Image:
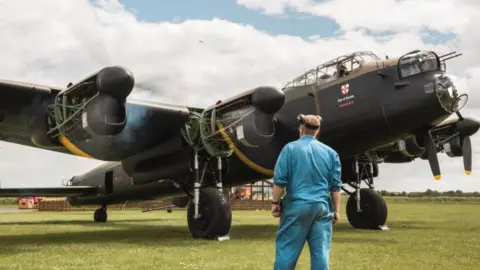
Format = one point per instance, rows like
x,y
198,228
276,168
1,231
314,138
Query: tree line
x,y
430,193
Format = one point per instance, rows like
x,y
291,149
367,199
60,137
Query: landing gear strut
x,y
100,214
209,216
365,208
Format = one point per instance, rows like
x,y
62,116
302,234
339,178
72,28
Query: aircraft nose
x,y
451,98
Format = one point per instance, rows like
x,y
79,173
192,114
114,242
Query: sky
x,y
195,52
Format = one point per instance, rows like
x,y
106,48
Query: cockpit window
x,y
412,64
333,69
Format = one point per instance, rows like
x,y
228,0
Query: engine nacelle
x,y
105,115
97,102
453,148
406,151
246,119
410,147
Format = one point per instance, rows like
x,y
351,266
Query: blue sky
x,y
180,10
290,23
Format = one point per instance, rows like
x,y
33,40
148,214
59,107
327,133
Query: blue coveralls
x,y
308,170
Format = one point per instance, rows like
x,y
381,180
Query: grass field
x,y
424,235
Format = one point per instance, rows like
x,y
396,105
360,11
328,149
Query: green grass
x,y
423,236
8,201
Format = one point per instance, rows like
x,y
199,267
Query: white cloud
x,y
58,42
379,15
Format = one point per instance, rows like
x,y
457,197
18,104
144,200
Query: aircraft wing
x,y
91,118
21,106
7,85
70,191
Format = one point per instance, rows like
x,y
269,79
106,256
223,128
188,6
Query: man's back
x,y
309,171
313,168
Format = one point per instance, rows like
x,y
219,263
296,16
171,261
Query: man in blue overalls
x,y
310,171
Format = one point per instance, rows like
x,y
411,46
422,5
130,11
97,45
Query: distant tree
x,y
383,192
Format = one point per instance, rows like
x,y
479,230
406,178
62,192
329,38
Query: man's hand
x,y
336,216
276,210
336,205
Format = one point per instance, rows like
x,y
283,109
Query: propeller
x,y
467,155
466,149
431,150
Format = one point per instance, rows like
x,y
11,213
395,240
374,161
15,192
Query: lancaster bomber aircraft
x,y
373,110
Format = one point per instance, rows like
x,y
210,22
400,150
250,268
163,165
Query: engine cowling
x,y
406,150
410,147
246,119
453,148
105,115
97,102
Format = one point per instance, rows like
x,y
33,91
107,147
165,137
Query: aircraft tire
x,y
216,215
374,210
100,215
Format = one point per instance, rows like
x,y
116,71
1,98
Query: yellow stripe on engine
x,y
241,156
72,148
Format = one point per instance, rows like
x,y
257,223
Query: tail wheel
x,y
215,215
373,210
100,215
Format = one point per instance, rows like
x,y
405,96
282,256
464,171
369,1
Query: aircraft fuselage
x,y
375,109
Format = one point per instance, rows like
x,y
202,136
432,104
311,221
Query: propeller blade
x,y
467,155
432,156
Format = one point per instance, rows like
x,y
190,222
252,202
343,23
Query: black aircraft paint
x,y
391,110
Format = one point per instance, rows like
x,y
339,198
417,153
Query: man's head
x,y
309,124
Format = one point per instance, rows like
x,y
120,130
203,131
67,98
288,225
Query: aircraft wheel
x,y
100,215
215,215
373,210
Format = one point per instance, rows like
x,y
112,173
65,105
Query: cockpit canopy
x,y
417,62
333,69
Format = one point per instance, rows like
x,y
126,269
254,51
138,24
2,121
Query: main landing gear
x,y
365,208
100,215
209,215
